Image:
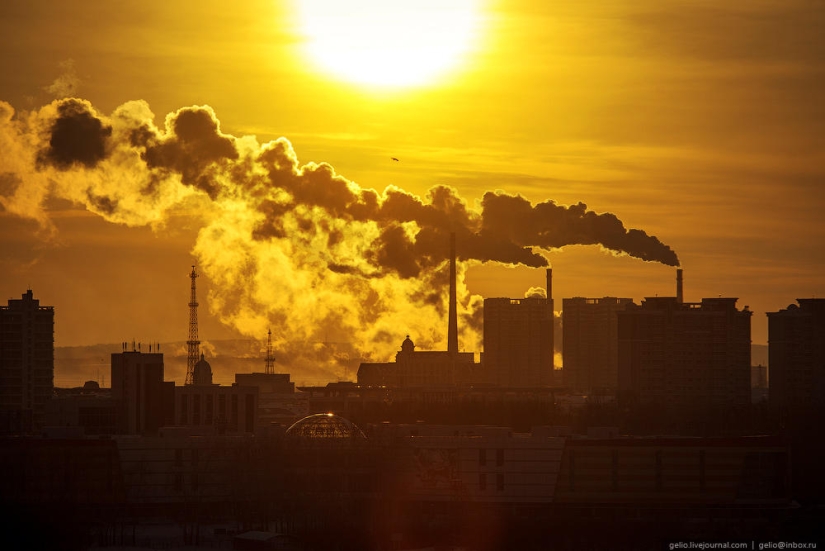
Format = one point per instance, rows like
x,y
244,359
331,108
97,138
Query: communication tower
x,y
270,359
193,344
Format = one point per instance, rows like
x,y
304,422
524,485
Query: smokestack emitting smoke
x,y
452,331
296,247
679,295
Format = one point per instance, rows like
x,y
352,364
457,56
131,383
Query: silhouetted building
x,y
518,340
202,372
278,403
796,354
419,369
217,409
89,409
455,463
26,364
687,471
276,383
146,401
685,354
70,473
591,341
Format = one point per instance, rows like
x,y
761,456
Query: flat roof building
x,y
145,400
591,341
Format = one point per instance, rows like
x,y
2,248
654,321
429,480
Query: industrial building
x,y
26,364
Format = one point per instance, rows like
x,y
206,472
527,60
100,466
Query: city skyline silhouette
x,y
371,192
733,192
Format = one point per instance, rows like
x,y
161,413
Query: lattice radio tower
x,y
193,344
270,359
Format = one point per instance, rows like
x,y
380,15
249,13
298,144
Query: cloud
x,y
67,84
298,248
77,136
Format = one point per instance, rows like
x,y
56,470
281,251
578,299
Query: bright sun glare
x,y
388,43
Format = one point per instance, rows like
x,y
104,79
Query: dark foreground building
x,y
328,484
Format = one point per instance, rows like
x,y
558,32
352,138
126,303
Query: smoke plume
x,y
296,247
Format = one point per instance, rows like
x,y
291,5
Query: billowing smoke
x,y
294,247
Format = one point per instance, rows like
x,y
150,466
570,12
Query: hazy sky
x,y
700,124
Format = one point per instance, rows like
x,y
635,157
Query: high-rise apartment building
x,y
145,400
518,340
796,354
591,341
685,354
26,364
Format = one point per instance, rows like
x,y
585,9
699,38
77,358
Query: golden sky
x,y
699,123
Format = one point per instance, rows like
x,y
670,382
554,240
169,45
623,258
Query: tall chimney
x,y
679,296
452,330
549,283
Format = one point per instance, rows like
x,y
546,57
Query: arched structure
x,y
324,427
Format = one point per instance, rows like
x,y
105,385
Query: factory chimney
x,y
452,330
679,295
549,284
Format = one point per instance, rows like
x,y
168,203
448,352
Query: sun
x,y
389,43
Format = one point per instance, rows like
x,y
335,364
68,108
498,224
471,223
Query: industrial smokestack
x,y
549,283
679,296
452,330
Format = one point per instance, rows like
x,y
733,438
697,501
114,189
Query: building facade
x,y
26,364
591,342
685,354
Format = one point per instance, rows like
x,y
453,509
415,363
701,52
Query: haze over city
x,y
611,142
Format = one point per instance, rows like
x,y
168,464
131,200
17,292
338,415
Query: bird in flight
x,y
394,159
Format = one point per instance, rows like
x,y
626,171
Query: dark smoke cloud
x,y
412,233
194,148
549,226
298,247
395,251
78,137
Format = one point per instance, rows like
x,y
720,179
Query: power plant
x,y
421,447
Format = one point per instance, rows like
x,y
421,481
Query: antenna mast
x,y
193,344
270,360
